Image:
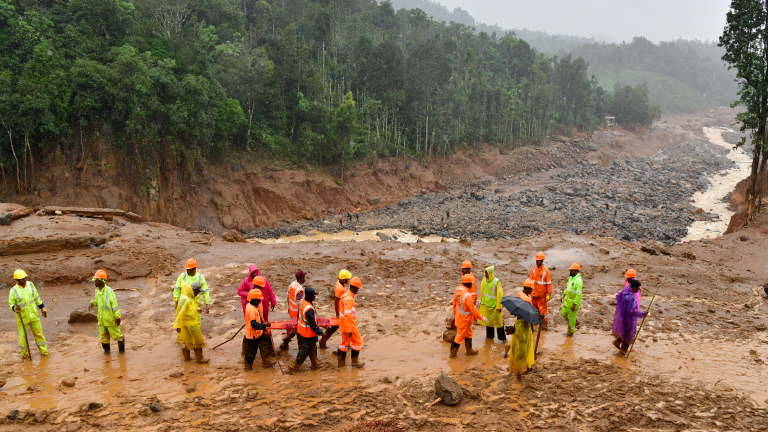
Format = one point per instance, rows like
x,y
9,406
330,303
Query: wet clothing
x,y
338,291
521,356
204,292
261,344
521,294
464,313
187,320
108,313
29,301
246,286
572,301
255,324
350,335
639,293
627,313
542,279
295,296
473,290
490,300
307,323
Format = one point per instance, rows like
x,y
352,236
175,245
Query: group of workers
x,y
191,294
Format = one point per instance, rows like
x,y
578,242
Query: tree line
x,y
178,83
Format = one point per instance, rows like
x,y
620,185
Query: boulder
x,y
604,251
237,236
449,335
383,237
448,390
41,416
155,406
82,316
68,382
92,406
13,415
593,147
374,201
649,250
6,220
227,236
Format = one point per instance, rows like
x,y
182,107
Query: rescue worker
x,y
307,332
466,269
295,296
246,286
256,338
490,305
543,291
108,313
465,313
339,290
350,335
521,356
572,298
628,278
190,276
22,299
187,323
525,293
625,319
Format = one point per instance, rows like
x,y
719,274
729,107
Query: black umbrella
x,y
521,309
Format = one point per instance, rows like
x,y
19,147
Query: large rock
x,y
237,236
6,220
448,390
373,201
383,237
449,335
82,316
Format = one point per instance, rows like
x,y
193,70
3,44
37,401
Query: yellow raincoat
x,y
490,300
186,320
521,349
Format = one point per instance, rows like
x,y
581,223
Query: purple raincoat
x,y
247,285
627,313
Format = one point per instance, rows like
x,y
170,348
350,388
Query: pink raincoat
x,y
247,285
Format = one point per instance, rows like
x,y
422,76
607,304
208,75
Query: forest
x,y
182,83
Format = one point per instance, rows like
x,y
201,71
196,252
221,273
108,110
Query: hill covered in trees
x,y
682,76
178,83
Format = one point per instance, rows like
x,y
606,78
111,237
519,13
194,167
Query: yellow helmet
x,y
19,274
345,274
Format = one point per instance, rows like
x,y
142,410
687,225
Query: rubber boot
x,y
313,360
356,363
106,348
293,368
468,345
324,338
267,355
248,367
342,358
242,350
199,356
187,356
454,349
544,324
121,346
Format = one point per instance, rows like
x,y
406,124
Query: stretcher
x,y
293,323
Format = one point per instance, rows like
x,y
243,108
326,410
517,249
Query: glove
x,y
269,324
573,307
17,308
548,297
117,321
272,309
178,330
485,319
45,313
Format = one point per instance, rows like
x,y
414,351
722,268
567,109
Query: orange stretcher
x,y
293,323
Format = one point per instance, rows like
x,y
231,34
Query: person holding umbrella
x,y
522,354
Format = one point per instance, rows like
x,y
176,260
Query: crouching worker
x,y
187,323
307,332
465,313
255,337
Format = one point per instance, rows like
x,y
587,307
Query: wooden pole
x,y
233,336
26,339
538,335
643,321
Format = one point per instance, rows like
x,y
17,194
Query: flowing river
x,y
722,183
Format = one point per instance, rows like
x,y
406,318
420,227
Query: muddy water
x,y
350,236
722,183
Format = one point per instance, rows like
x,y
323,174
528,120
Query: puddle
x,y
722,183
560,258
353,236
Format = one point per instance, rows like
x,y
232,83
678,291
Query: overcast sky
x,y
611,20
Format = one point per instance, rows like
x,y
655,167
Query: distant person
x,y
108,313
341,221
464,314
357,217
23,298
625,319
190,276
572,298
541,276
490,305
521,355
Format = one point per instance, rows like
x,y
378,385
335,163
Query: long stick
x,y
26,340
233,336
538,335
643,321
276,356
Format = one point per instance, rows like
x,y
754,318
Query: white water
x,y
722,183
347,236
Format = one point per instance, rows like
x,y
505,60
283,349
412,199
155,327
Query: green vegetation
x,y
631,106
172,84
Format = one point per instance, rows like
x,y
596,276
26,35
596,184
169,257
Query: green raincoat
x,y
490,300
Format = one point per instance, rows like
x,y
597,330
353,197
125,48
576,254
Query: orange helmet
x,y
259,281
255,294
540,256
575,266
100,274
191,263
467,278
528,284
466,265
631,273
356,282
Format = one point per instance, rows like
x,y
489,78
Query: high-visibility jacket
x,y
189,280
543,281
347,313
295,295
303,325
464,310
338,291
572,294
473,289
490,292
521,294
28,299
253,313
106,302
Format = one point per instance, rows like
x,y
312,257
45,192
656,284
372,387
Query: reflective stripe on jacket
x,y
543,281
572,293
28,299
347,312
294,298
106,303
303,325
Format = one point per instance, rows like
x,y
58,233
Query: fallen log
x,y
28,245
21,212
84,211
